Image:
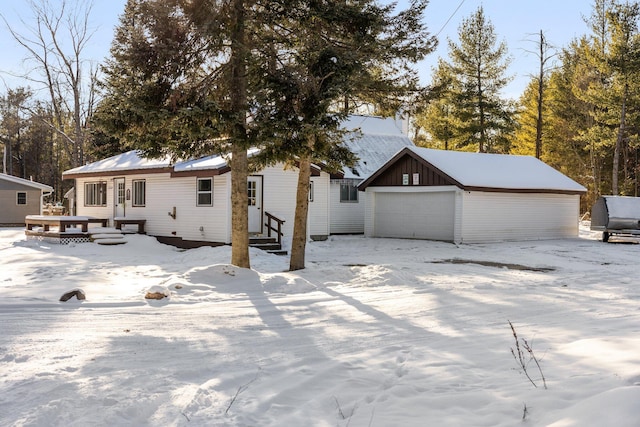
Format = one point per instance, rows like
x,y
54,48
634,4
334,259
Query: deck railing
x,y
277,228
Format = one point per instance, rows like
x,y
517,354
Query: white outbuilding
x,y
464,197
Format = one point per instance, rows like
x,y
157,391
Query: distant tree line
x,y
581,115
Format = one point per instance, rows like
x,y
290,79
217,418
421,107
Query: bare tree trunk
x,y
619,141
299,239
540,98
239,161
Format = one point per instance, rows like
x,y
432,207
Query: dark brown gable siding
x,y
392,176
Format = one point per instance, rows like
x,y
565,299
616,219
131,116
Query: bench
x,y
62,222
120,221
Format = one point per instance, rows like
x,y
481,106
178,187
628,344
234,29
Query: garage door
x,y
415,215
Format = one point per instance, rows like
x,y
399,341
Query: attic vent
x,y
355,171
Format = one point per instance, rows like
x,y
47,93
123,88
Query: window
x,y
139,192
252,193
348,193
205,192
311,191
21,198
95,194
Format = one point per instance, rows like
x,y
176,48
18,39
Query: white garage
x,y
465,197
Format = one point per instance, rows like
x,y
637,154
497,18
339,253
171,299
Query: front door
x,y
118,197
254,192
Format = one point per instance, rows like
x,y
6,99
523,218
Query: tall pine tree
x,y
177,84
478,66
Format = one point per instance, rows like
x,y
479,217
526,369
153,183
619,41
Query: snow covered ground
x,y
375,332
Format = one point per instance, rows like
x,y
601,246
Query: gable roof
x,y
28,183
374,140
489,172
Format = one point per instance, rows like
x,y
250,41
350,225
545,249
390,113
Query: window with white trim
x,y
205,192
139,192
21,198
348,193
95,194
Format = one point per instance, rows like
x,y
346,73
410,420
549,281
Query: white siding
x,y
96,211
319,207
346,217
369,212
490,217
279,189
162,194
210,223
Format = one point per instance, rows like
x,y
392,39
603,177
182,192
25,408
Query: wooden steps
x,y
267,244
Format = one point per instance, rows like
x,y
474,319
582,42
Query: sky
x,y
517,22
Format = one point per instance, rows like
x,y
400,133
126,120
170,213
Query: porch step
x,y
105,236
258,240
267,244
278,252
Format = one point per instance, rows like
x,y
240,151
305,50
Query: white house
x,y
374,140
466,197
189,203
20,197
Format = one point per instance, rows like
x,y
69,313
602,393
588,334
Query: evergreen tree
x,y
438,121
177,84
478,65
315,56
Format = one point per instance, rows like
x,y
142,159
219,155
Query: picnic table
x,y
62,222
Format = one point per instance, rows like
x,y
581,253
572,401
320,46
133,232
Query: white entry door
x,y
254,192
118,197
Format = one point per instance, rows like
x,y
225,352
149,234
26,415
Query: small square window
x,y
348,193
21,198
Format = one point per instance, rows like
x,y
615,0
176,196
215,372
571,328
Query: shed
x,y
20,197
464,197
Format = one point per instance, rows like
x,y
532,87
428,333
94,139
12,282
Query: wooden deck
x,y
62,222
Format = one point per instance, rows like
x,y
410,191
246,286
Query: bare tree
x,y
544,53
55,38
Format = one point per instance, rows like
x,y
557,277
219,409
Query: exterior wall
x,y
163,193
10,211
319,212
209,223
346,217
491,217
279,199
476,217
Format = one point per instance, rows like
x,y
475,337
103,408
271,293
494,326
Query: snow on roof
x,y
498,170
623,206
22,181
209,162
131,160
374,141
374,125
